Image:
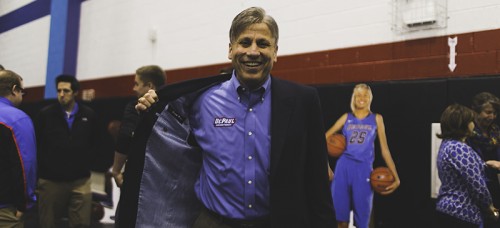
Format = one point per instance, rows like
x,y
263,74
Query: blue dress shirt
x,y
70,117
24,136
232,126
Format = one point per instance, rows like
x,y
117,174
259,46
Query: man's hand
x,y
330,174
19,214
146,101
118,177
493,164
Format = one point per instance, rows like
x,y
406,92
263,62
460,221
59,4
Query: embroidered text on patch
x,y
224,122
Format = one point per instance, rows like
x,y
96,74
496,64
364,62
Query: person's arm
x,y
123,141
337,126
386,154
119,162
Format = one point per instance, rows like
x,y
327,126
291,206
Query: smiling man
x,y
254,145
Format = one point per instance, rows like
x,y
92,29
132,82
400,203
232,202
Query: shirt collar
x,y
75,110
6,101
237,85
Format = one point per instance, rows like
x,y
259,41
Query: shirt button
x,y
249,205
249,157
250,109
249,182
250,133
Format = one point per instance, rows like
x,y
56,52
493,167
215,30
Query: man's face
x,y
253,54
140,88
65,95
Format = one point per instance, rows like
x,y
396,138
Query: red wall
x,y
477,55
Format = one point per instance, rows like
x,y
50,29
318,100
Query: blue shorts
x,y
351,190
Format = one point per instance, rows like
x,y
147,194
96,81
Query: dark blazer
x,y
66,154
299,188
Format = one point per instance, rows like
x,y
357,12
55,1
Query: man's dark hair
x,y
1,67
152,74
455,122
75,85
7,80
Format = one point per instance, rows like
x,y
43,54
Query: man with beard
x,y
69,137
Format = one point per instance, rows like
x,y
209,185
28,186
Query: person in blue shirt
x,y
70,137
351,189
249,146
18,164
464,199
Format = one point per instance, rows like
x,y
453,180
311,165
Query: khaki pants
x,y
8,218
56,199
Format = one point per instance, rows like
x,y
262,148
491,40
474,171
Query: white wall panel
x,y
24,50
115,35
7,6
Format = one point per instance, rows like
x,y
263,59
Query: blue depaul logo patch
x,y
224,122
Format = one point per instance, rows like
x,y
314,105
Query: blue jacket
x,y
66,154
18,166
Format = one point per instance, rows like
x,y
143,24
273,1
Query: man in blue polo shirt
x,y
17,153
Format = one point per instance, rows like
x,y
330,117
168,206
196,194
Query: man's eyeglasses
x,y
22,90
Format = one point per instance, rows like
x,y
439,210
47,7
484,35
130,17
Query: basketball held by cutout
x,y
380,178
336,145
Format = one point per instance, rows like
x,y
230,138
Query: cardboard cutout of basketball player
x,y
352,172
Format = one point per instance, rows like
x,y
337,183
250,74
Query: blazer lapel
x,y
282,106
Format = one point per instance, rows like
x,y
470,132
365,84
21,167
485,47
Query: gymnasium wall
x,y
116,37
426,58
329,44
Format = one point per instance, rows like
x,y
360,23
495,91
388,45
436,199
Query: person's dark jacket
x,y
67,154
127,128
